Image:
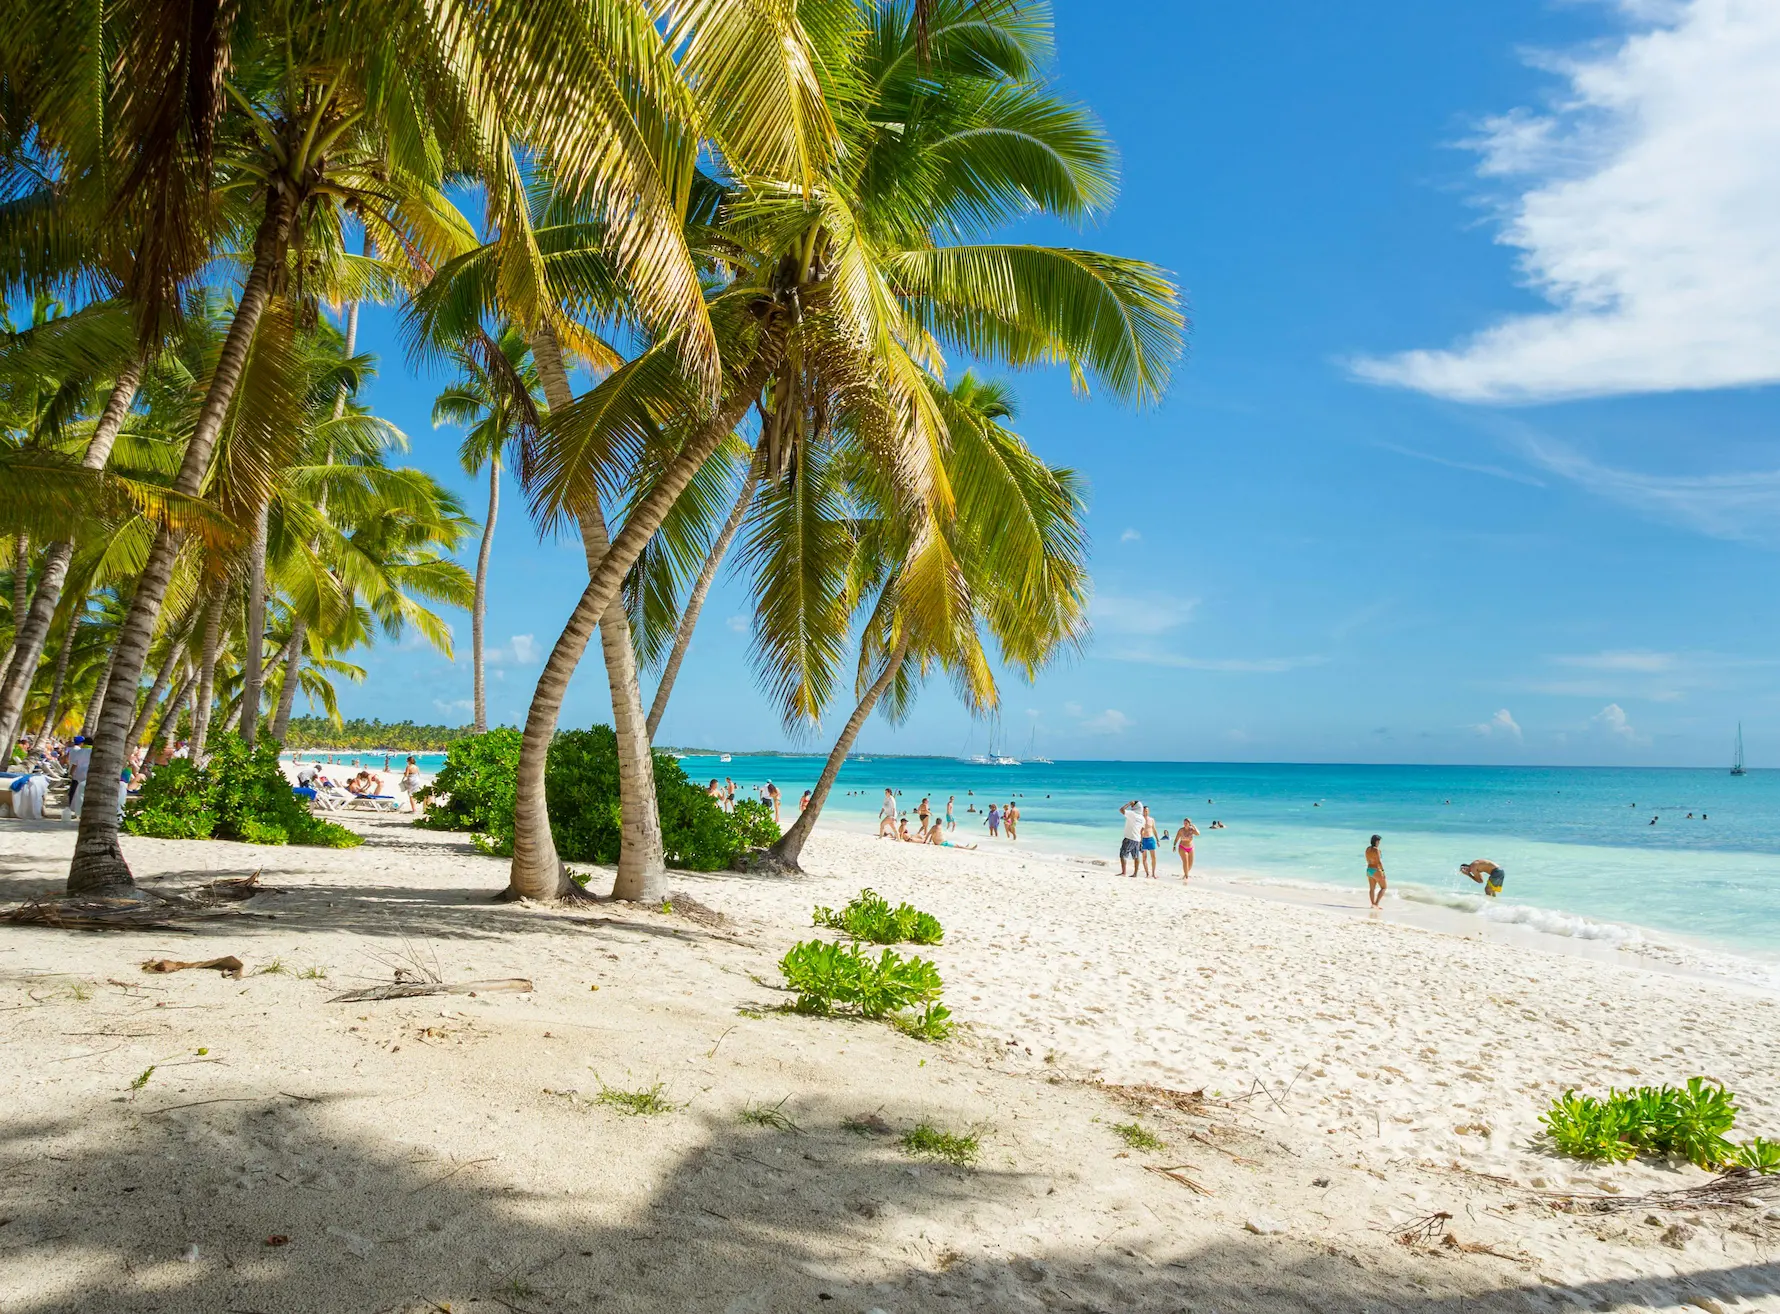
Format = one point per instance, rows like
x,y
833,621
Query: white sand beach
x,y
444,1153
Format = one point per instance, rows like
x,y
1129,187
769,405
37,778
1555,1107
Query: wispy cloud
x,y
454,705
1642,204
1230,665
1640,660
1741,507
1130,536
1612,720
1117,614
1493,471
1502,725
738,624
1110,722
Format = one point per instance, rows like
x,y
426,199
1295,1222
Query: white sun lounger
x,y
375,802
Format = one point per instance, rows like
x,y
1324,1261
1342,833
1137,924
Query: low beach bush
x,y
236,795
476,789
1691,1122
870,917
831,978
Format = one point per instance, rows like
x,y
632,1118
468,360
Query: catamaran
x,y
1737,761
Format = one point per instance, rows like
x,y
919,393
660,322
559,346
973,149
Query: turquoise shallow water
x,y
1582,858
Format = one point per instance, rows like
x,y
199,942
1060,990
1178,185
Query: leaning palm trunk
x,y
642,868
175,705
790,845
98,857
89,724
206,677
254,648
293,672
233,717
21,592
61,678
480,608
536,872
162,679
33,634
695,603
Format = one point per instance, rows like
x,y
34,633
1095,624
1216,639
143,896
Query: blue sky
x,y
1472,457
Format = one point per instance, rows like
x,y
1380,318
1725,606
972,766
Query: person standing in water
x,y
951,821
994,821
1183,845
1010,817
1375,883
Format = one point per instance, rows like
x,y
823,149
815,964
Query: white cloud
x,y
1130,536
738,624
1612,719
1638,660
1110,722
1227,665
1645,217
450,706
520,650
1114,614
1502,723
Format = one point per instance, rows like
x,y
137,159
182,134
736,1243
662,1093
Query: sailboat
x,y
1737,761
1032,751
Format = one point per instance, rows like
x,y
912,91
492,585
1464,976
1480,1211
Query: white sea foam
x,y
1548,920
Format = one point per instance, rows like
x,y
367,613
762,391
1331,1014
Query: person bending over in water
x,y
1374,872
1486,874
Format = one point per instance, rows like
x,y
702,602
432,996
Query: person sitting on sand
x,y
1183,845
1010,818
1375,872
1486,874
1132,845
936,835
887,815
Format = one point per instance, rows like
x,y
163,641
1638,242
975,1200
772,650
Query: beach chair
x,y
374,803
329,798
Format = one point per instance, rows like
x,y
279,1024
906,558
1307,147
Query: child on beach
x,y
1374,872
1183,845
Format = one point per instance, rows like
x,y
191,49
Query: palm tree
x,y
841,291
1020,549
485,406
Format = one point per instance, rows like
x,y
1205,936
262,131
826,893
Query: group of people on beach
x,y
1144,839
936,829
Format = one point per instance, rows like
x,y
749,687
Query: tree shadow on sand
x,y
103,1210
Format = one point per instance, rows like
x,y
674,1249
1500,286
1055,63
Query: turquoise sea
x,y
1582,856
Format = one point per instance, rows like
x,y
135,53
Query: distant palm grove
x,y
338,734
714,283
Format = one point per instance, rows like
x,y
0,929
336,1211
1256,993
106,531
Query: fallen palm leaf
x,y
1175,1174
412,989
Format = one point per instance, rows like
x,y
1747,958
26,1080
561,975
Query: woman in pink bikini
x,y
1183,845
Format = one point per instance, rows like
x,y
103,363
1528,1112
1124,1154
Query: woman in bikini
x,y
1183,845
1374,872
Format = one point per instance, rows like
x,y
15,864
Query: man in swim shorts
x,y
1131,847
1486,874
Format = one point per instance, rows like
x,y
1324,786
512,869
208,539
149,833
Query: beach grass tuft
x,y
768,1115
646,1102
930,1142
1139,1137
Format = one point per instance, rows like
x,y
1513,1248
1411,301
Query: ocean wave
x,y
1547,920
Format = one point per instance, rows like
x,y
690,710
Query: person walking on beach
x,y
925,812
1375,872
410,783
1147,844
1183,845
994,821
1486,874
772,798
1132,845
1010,817
887,815
951,821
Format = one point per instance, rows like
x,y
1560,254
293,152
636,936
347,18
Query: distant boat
x,y
1032,751
724,758
1737,761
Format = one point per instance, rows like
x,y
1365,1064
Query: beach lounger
x,y
375,802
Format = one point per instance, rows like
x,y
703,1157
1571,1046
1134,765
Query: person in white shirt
x,y
887,816
1131,847
80,757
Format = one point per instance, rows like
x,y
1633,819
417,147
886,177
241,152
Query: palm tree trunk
x,y
232,717
253,649
162,678
293,670
642,867
696,600
61,678
536,872
29,640
175,705
21,593
98,858
89,724
206,677
790,845
480,608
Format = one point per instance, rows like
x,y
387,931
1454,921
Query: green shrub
x,y
1760,1154
237,795
830,977
869,916
933,1022
474,789
581,791
1691,1122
